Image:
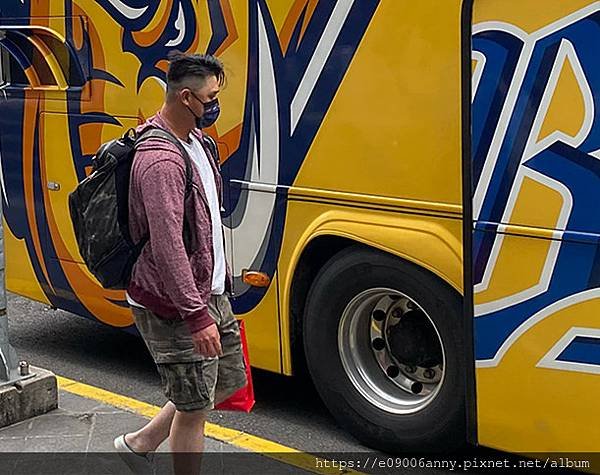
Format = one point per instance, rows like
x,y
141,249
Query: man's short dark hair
x,y
186,69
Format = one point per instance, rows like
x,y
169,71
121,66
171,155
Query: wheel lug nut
x,y
378,344
379,315
411,305
410,369
392,371
429,373
397,313
416,388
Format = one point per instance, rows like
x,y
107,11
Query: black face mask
x,y
212,109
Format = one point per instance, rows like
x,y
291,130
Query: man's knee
x,y
196,416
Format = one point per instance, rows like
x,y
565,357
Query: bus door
x,y
66,116
535,249
40,69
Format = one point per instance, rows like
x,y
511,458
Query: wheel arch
x,y
398,236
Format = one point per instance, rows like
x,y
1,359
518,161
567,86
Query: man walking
x,y
178,285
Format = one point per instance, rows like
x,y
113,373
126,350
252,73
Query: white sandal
x,y
138,463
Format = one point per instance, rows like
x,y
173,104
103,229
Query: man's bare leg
x,y
187,441
149,437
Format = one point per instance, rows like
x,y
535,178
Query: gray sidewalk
x,y
78,438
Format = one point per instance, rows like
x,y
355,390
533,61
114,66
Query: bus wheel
x,y
382,339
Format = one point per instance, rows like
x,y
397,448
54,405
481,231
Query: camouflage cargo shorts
x,y
192,381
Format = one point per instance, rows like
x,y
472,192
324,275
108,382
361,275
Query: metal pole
x,y
10,368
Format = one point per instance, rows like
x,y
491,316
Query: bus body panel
x,y
536,267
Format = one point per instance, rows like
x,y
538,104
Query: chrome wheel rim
x,y
391,350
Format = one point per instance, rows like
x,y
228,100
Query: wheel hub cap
x,y
391,350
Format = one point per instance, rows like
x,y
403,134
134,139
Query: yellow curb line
x,y
253,443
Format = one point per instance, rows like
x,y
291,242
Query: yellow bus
x,y
415,178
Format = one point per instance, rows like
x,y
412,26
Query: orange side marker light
x,y
255,279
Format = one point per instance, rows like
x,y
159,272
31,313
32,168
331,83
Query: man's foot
x,y
138,463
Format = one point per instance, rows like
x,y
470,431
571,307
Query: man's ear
x,y
184,96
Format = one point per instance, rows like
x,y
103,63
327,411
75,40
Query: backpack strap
x,y
156,132
210,143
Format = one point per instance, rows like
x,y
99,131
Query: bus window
x,y
36,58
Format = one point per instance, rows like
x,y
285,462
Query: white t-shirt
x,y
200,159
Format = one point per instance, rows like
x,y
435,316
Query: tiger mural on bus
x,y
120,50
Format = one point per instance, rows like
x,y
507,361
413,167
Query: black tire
x,y
438,426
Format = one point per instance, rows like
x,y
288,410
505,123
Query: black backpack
x,y
100,212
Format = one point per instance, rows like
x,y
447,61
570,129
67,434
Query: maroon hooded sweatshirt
x,y
173,275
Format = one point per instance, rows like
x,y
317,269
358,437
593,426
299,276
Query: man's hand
x,y
208,341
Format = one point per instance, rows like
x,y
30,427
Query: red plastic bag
x,y
243,399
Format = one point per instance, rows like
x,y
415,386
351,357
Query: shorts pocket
x,y
187,385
